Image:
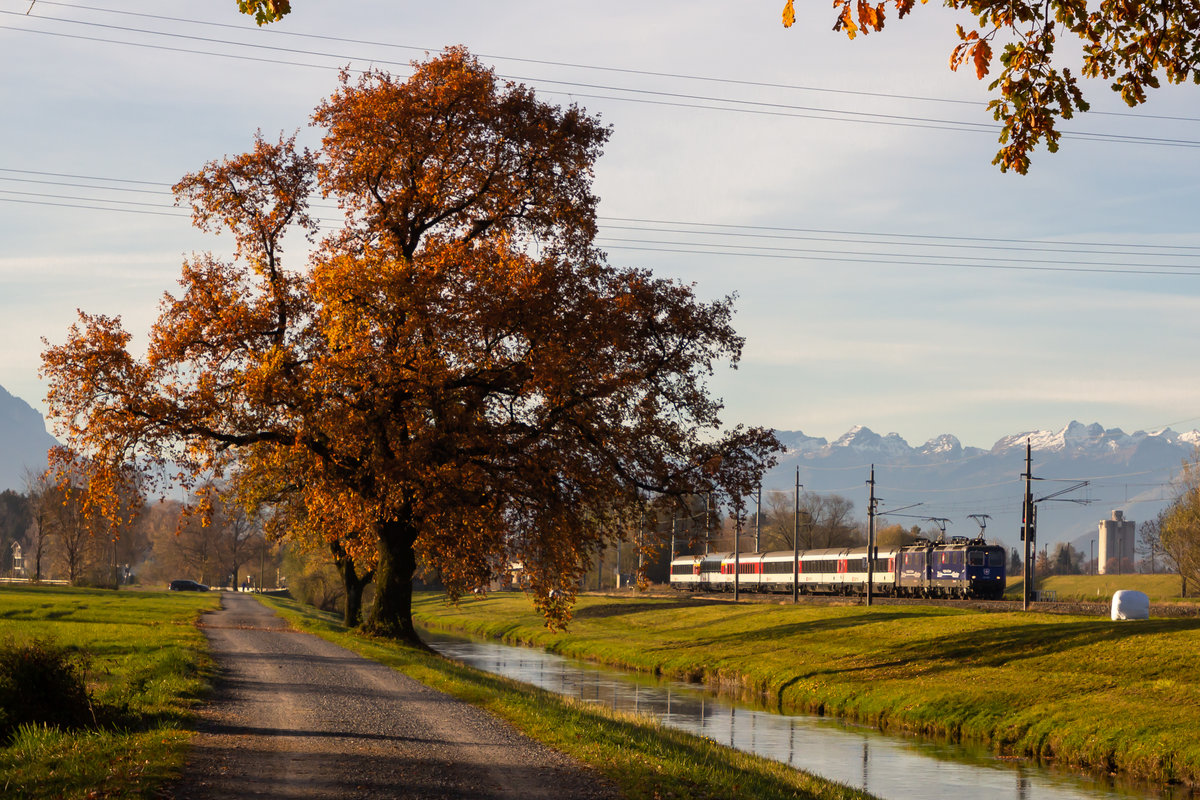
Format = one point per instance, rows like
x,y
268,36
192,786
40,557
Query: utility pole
x,y
758,521
737,554
1028,528
871,539
796,543
707,521
673,515
262,564
618,570
640,552
1029,522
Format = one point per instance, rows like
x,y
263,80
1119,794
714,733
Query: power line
x,y
1018,260
592,67
895,235
880,261
769,231
768,251
889,240
913,261
735,105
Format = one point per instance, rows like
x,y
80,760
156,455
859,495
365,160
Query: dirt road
x,y
297,717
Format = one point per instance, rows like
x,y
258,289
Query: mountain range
x,y
940,479
23,441
1131,472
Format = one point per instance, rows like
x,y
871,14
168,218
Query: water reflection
x,y
890,767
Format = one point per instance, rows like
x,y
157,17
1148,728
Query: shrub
x,y
41,683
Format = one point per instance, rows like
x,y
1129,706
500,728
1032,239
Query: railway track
x,y
1070,607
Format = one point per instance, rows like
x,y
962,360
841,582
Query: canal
x,y
891,767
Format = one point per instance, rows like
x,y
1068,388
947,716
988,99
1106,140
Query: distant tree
x,y
827,520
313,578
39,534
73,532
895,535
1066,560
1149,543
1043,564
1135,44
824,521
458,378
1015,563
236,533
779,525
1179,531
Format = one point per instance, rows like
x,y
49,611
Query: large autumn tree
x,y
456,377
1132,44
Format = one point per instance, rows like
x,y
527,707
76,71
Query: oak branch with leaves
x,y
455,380
1130,43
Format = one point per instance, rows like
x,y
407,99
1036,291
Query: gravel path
x,y
297,717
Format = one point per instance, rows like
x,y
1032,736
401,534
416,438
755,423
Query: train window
x,y
996,559
975,558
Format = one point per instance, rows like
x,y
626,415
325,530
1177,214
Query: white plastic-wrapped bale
x,y
1130,604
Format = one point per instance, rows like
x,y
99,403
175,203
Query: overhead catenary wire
x,y
573,87
275,32
769,231
905,260
735,232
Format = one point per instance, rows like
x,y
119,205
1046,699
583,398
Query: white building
x,y
1116,544
18,561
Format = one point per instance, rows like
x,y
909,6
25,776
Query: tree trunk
x,y
391,616
354,591
352,584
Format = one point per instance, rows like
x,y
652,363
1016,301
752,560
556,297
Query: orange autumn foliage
x,y
1132,44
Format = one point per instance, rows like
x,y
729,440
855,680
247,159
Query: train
x,y
960,568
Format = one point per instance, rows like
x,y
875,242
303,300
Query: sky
x,y
886,273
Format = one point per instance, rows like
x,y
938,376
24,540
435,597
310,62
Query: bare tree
x,y
1179,531
70,527
1149,543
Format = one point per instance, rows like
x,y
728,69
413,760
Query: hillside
x,y
23,441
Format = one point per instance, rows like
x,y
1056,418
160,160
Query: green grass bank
x,y
1100,588
145,667
645,760
1087,692
1159,588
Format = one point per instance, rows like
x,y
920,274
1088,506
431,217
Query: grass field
x,y
1100,588
645,760
1084,691
145,668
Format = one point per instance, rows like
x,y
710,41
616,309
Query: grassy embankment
x,y
145,667
1084,691
1100,588
645,760
1161,589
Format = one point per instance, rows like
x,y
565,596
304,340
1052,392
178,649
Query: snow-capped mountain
x,y
1127,471
1094,440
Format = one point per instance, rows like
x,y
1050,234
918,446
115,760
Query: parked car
x,y
187,586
